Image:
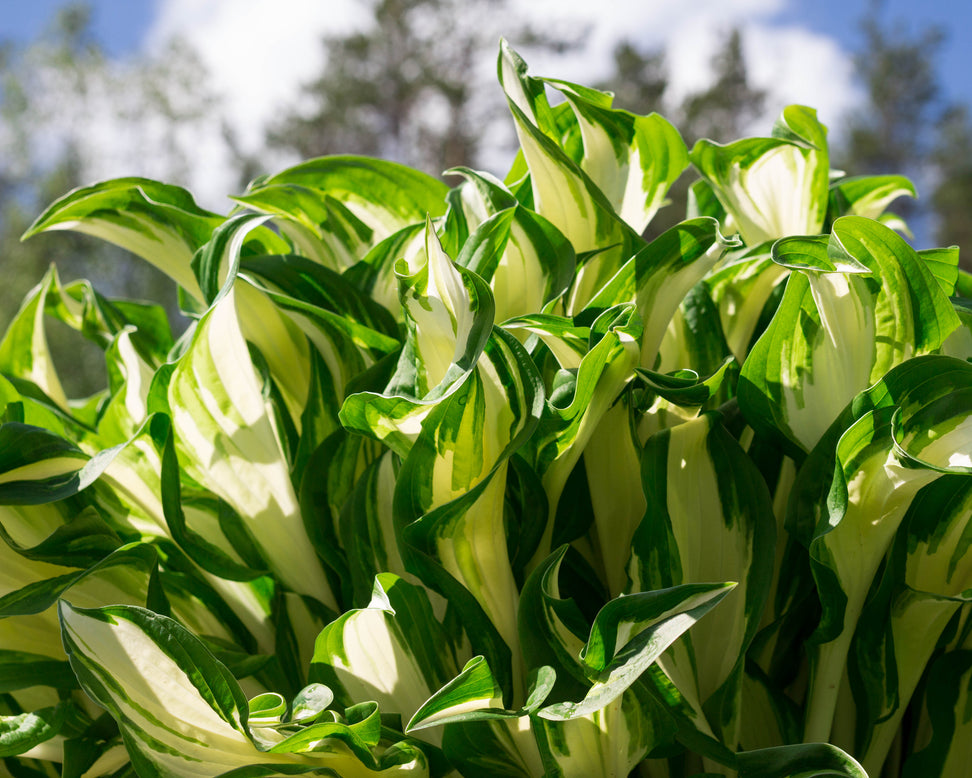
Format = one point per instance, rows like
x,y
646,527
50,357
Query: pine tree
x,y
639,79
906,126
402,89
951,198
892,132
724,111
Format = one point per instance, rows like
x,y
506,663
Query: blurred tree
x,y
403,88
951,197
906,126
639,79
725,111
67,114
892,131
722,112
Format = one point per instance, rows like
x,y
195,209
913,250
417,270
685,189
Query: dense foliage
x,y
476,481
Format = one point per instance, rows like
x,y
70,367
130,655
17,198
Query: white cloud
x,y
688,31
793,64
258,58
797,66
257,55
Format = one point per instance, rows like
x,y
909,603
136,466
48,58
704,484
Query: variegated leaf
x,y
771,187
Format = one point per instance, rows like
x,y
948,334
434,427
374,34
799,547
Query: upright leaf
x,y
393,651
771,187
883,461
228,441
709,517
562,191
861,302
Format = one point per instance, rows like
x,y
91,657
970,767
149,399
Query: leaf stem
x,y
828,670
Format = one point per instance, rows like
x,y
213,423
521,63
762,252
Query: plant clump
x,y
476,481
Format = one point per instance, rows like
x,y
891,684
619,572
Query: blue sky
x,y
120,25
840,20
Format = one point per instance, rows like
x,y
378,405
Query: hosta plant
x,y
470,479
